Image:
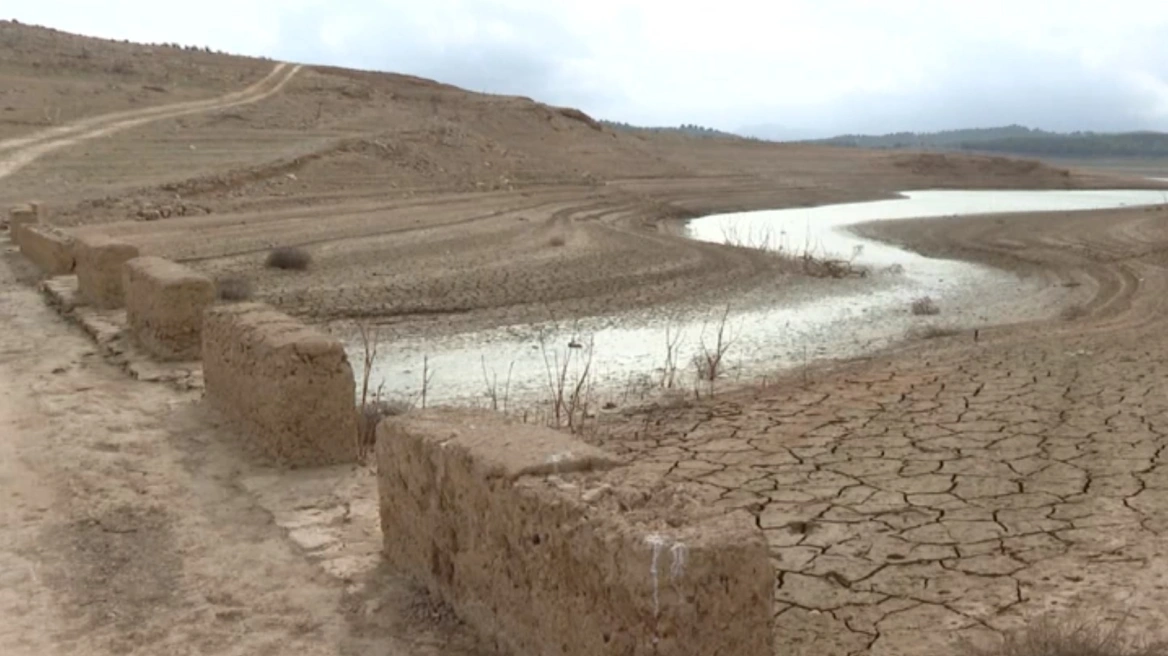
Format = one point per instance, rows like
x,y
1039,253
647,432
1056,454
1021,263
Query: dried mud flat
x,y
960,488
951,488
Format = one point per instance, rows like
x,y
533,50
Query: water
x,y
627,356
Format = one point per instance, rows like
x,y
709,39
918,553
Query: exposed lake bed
x,y
788,323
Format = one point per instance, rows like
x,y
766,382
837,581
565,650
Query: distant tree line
x,y
687,128
1017,140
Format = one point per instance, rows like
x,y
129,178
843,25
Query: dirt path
x,y
30,148
960,487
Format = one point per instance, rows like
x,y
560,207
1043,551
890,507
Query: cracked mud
x,y
957,490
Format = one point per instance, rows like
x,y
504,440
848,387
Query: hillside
x,y
434,206
1016,140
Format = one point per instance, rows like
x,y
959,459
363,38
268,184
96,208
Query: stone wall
x,y
548,546
18,216
165,302
287,386
47,247
99,262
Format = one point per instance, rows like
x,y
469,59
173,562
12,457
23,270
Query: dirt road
x,y
22,151
958,484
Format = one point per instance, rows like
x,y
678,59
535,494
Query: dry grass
x,y
234,288
934,332
710,363
374,406
289,258
804,259
1047,637
1073,312
372,412
569,380
557,241
925,307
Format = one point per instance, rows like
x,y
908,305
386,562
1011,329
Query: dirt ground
x,y
966,482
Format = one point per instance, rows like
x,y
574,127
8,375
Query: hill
x,y
421,204
1016,140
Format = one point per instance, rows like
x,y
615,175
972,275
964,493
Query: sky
x,y
786,68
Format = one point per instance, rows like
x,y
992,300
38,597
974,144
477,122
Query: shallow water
x,y
625,356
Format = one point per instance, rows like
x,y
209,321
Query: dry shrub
x,y
925,307
557,241
935,332
234,288
1047,637
371,415
289,258
1072,312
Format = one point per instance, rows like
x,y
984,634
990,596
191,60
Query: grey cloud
x,y
535,63
993,85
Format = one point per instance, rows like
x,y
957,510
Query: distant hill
x,y
1016,140
687,129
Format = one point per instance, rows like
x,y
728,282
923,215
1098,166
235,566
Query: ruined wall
x,y
165,302
47,247
18,216
99,262
547,546
287,386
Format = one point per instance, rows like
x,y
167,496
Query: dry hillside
x,y
417,199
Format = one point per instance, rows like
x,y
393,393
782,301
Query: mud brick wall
x,y
165,302
99,262
287,386
47,247
18,216
548,546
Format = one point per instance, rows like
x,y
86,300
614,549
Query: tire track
x,y
22,151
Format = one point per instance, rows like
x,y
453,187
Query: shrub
x,y
925,307
289,258
372,414
234,288
557,241
935,332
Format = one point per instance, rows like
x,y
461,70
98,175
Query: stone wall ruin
x,y
49,248
99,262
286,385
165,302
549,546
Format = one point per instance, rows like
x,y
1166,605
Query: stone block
x,y
286,385
165,302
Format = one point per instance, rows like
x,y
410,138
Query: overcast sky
x,y
820,66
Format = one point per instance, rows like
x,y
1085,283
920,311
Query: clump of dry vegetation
x,y
557,241
234,288
935,332
374,405
804,260
289,258
925,307
1048,637
1073,312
